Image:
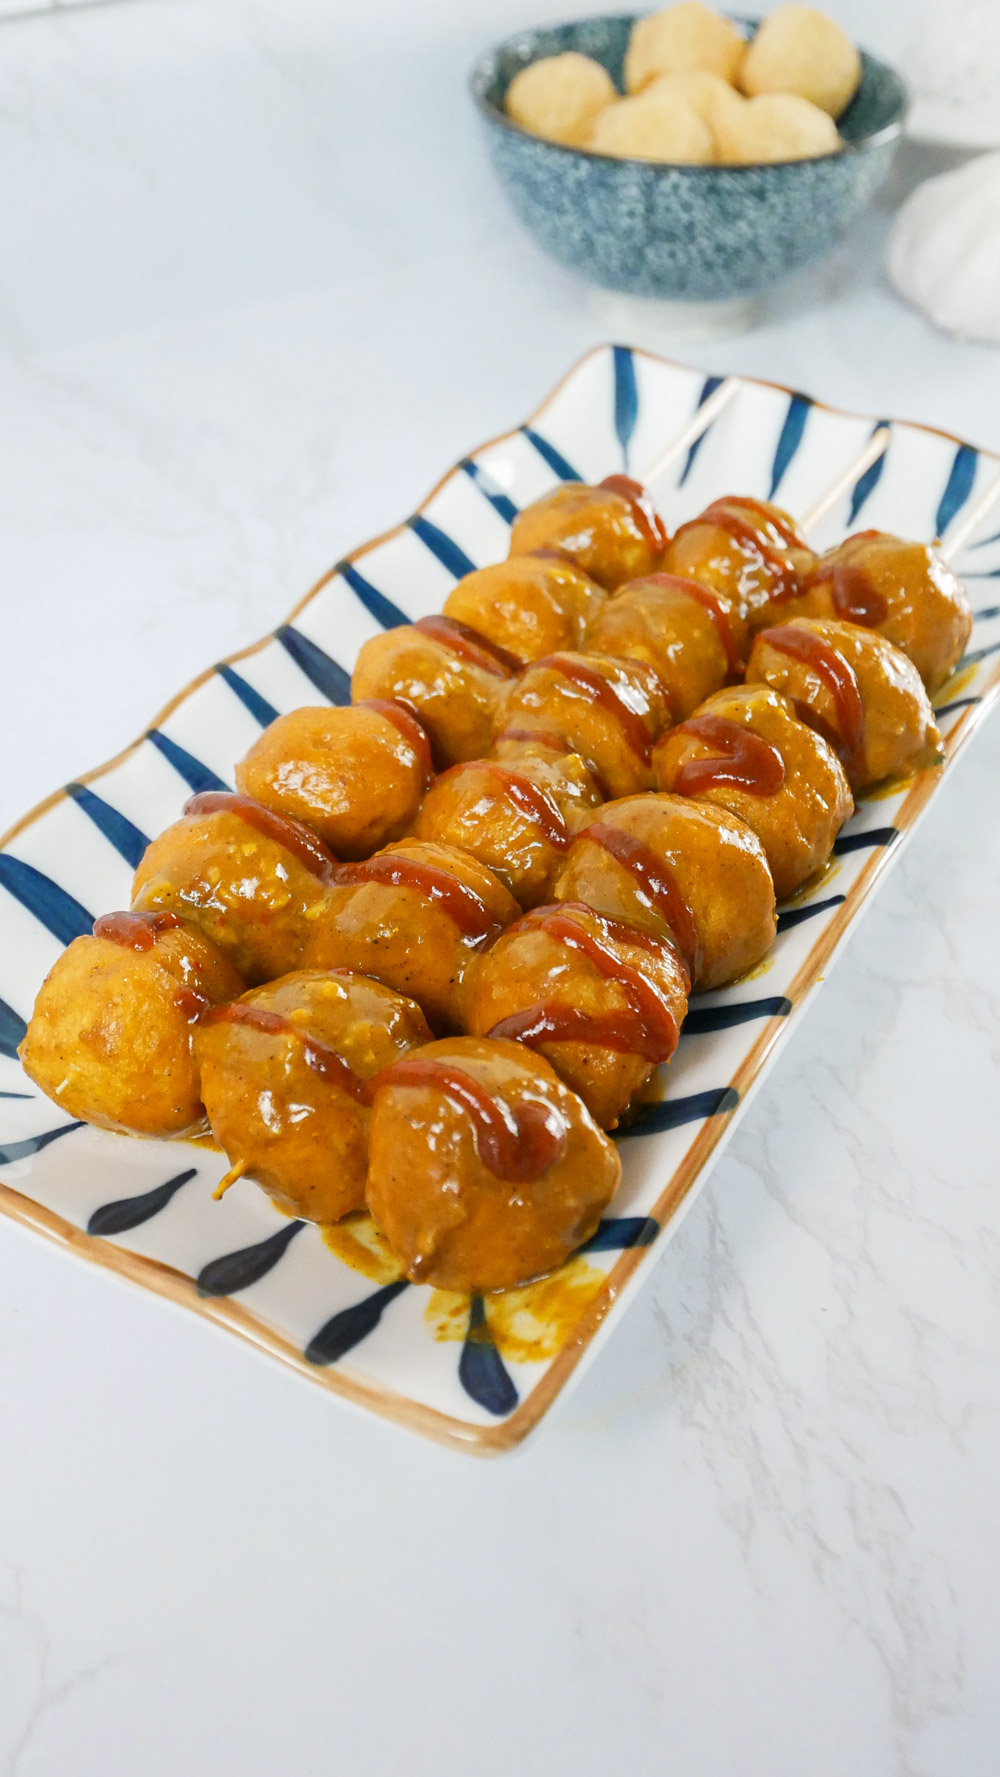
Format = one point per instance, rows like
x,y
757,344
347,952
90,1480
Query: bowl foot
x,y
661,318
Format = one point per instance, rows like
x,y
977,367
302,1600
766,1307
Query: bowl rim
x,y
497,117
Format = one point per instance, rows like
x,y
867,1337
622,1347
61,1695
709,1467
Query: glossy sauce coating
x,y
746,549
905,590
412,917
284,1075
685,632
796,822
817,653
740,758
110,1038
530,605
517,1144
355,775
454,1221
601,999
250,879
609,711
613,535
451,677
680,869
897,733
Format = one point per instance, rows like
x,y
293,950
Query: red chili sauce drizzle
x,y
840,679
461,639
740,529
747,762
646,517
515,1143
853,593
405,721
601,692
304,845
710,602
467,910
656,884
646,1026
134,931
528,798
323,1060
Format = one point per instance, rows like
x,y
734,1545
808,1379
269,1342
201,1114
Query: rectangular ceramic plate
x,y
144,1209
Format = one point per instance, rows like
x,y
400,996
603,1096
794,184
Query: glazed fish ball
x,y
252,880
484,1169
691,636
560,96
516,812
680,39
799,50
530,604
609,711
905,590
745,749
613,532
355,775
602,1000
855,689
413,917
777,126
283,1076
682,870
450,675
650,127
110,1039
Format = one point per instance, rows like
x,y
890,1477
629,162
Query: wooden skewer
x,y
229,1178
966,522
875,448
699,423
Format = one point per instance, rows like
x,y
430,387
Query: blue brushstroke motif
x,y
675,1111
17,1095
868,482
33,1144
326,674
615,1233
702,1020
796,915
499,502
261,711
708,388
626,398
555,459
376,604
987,612
983,541
51,905
789,439
351,1325
194,773
131,1212
442,546
13,1030
958,487
960,703
861,841
480,1367
126,838
977,654
237,1271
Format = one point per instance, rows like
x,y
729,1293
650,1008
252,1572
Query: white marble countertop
x,y
257,290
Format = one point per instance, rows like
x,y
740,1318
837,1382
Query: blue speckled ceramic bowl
x,y
683,232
